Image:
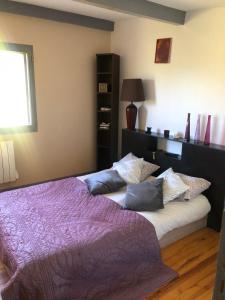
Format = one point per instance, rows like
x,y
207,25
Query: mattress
x,y
181,232
175,214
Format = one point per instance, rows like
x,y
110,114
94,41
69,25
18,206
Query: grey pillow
x,y
145,196
104,182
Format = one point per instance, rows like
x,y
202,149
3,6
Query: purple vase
x,y
208,131
197,131
187,131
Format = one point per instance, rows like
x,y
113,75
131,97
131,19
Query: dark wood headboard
x,y
196,160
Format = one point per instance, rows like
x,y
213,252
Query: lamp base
x,y
131,113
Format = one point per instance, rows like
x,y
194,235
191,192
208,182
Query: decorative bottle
x,y
208,131
187,131
197,131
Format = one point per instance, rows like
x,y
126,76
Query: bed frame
x,y
196,160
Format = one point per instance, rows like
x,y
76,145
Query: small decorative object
x,y
105,109
166,133
178,136
208,131
197,131
132,91
104,126
187,131
162,53
149,130
102,87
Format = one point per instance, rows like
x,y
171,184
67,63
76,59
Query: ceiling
x,y
79,8
190,4
93,11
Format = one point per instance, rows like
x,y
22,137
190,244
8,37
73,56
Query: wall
x,y
193,82
64,58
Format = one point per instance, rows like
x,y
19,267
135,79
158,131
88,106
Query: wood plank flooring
x,y
194,258
3,277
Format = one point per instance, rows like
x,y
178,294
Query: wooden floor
x,y
194,258
3,277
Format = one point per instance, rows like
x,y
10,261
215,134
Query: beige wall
x,y
193,82
64,58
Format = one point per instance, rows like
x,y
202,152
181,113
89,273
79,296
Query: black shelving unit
x,y
108,68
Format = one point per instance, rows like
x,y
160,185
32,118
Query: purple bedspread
x,y
60,243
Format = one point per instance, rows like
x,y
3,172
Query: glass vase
x,y
187,131
208,131
197,131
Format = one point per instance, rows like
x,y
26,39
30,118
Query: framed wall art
x,y
163,49
103,87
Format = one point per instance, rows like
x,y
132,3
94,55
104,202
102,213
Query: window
x,y
17,89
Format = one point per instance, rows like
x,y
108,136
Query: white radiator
x,y
8,172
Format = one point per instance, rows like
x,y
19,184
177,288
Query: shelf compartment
x,y
104,63
104,78
104,137
104,158
104,118
104,100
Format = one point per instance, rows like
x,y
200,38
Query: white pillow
x,y
127,157
173,186
147,167
196,185
129,170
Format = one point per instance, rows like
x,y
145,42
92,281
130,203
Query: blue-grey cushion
x,y
104,182
144,196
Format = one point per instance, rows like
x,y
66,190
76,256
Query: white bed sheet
x,y
174,215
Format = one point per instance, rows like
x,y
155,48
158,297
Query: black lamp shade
x,y
132,91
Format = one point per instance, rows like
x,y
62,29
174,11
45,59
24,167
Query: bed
x,y
53,252
59,242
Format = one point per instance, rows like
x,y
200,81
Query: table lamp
x,y
132,91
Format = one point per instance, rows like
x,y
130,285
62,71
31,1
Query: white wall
x,y
194,80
